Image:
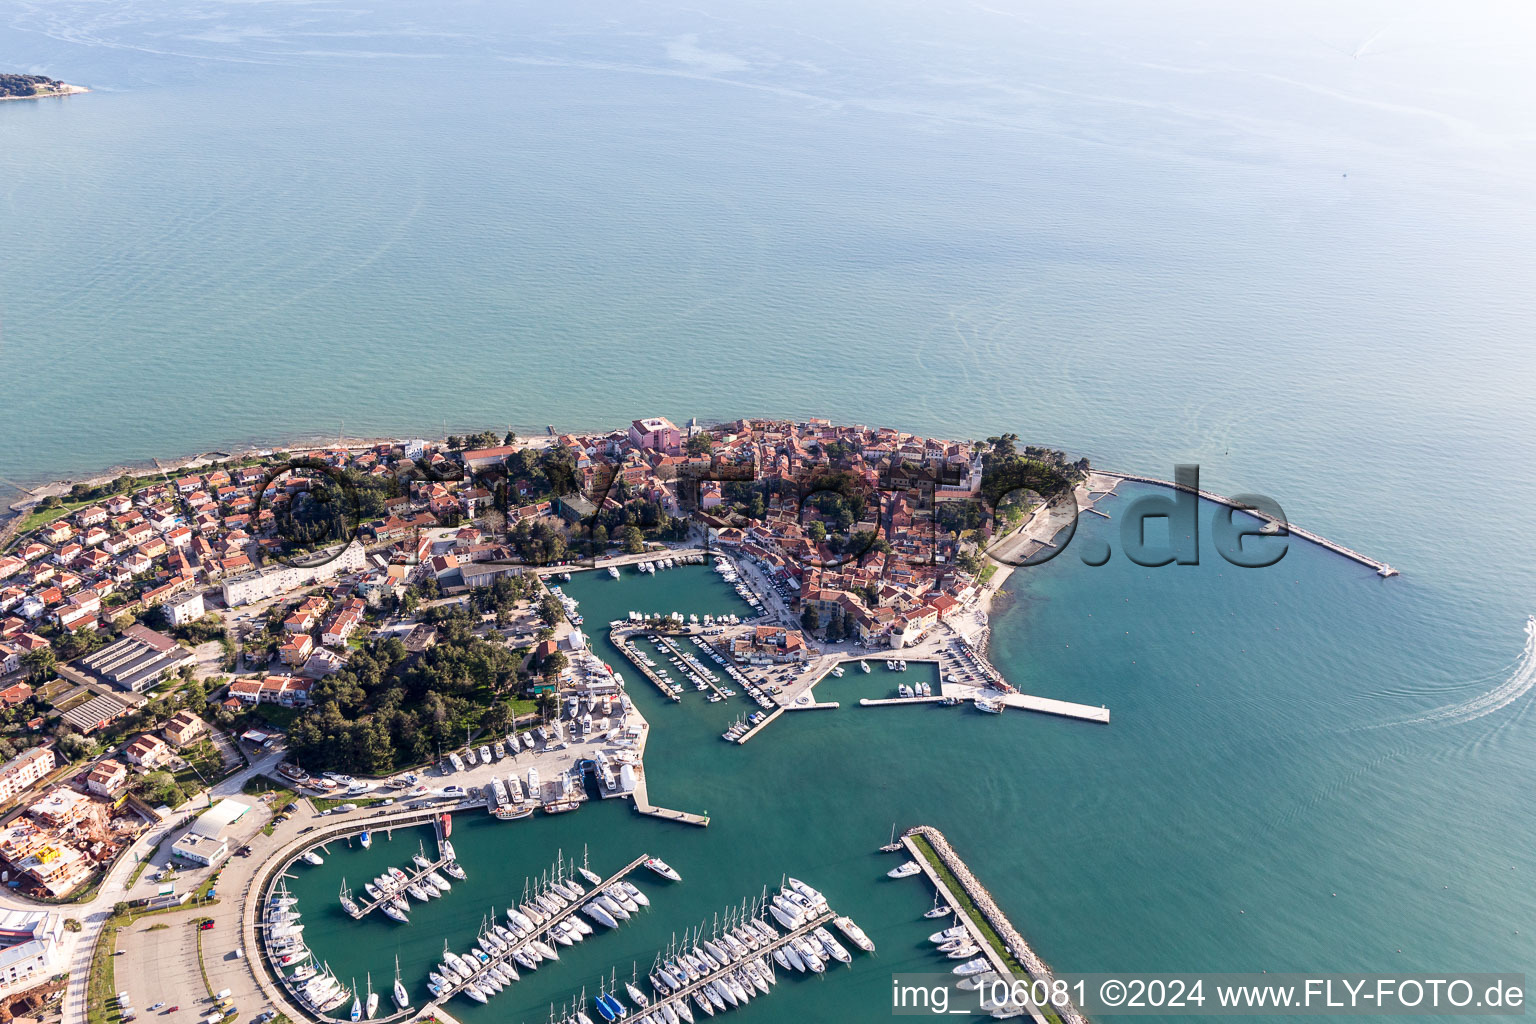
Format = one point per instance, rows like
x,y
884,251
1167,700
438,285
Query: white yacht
x,y
613,571
906,870
863,665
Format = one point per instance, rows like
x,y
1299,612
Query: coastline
x,y
67,90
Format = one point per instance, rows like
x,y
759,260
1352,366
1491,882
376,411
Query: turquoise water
x,y
1291,246
1279,780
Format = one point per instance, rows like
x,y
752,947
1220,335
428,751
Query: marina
x,y
542,933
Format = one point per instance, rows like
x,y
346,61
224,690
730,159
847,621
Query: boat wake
x,y
1515,686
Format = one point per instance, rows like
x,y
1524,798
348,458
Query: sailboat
x,y
357,1004
893,845
402,998
372,1006
939,909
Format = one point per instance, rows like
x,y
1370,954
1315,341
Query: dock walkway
x,y
621,640
412,877
759,727
544,928
880,702
762,951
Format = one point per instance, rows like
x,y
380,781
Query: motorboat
x,y
906,870
991,705
854,933
366,839
975,966
662,868
311,857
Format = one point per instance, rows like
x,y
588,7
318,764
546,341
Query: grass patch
x,y
44,516
325,803
968,906
101,987
202,968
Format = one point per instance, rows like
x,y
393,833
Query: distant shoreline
x,y
63,89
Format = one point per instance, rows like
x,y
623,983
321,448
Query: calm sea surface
x,y
1291,246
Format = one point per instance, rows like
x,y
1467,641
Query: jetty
x,y
545,928
759,727
984,920
682,994
880,702
1382,568
412,877
621,639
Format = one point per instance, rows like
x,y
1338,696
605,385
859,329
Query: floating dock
x,y
544,928
880,702
686,817
759,727
681,995
412,877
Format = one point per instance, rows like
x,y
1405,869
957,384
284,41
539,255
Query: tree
x,y
633,539
555,664
40,663
509,439
809,619
700,445
817,532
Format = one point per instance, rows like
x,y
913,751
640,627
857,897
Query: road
x,y
76,947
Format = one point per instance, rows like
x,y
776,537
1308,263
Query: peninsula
x,y
31,87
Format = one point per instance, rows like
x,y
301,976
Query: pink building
x,y
658,433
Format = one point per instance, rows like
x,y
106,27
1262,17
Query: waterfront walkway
x,y
1382,568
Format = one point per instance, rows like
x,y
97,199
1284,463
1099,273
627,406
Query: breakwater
x,y
1382,568
1015,943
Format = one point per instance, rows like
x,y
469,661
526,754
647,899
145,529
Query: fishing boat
x,y
662,868
991,705
906,870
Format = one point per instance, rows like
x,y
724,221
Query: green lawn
x,y
43,516
974,913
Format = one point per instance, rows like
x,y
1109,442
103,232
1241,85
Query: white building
x,y
184,609
29,942
204,841
261,584
25,769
